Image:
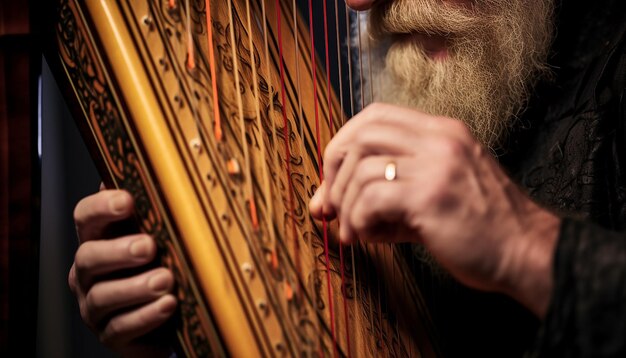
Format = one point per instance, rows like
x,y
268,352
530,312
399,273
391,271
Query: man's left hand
x,y
394,174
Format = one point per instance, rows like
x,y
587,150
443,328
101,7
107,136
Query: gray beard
x,y
484,81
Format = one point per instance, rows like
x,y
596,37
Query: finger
x,y
378,203
378,138
367,171
125,327
106,297
334,195
316,205
94,213
402,119
393,116
101,257
72,280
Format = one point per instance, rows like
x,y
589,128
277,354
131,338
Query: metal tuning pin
x,y
196,145
247,268
233,168
263,307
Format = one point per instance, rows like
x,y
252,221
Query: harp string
x,y
269,204
349,57
273,243
248,189
300,125
331,130
305,179
364,246
217,126
374,247
286,136
342,122
360,51
296,243
355,281
191,65
191,57
321,177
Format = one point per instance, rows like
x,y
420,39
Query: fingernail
x,y
159,282
118,203
167,304
140,247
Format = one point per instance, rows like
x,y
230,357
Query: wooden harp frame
x,y
115,62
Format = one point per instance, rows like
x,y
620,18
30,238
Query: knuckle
x,y
113,335
84,208
366,136
71,279
358,221
140,283
85,313
79,218
460,127
462,132
110,335
434,197
330,150
82,263
93,302
376,107
452,148
363,171
360,217
370,195
439,196
335,197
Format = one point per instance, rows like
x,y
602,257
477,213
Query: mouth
x,y
435,46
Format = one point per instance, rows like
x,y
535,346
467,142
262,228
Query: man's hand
x,y
119,308
447,193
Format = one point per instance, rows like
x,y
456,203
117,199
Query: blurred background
x,y
67,175
44,171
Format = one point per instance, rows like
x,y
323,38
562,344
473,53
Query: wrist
x,y
530,275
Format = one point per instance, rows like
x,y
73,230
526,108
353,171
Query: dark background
x,y
67,174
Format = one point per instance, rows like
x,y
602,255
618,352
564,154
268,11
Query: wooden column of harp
x,y
251,278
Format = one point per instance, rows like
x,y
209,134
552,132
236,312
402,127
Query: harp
x,y
213,114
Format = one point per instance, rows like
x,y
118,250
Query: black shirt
x,y
573,161
568,152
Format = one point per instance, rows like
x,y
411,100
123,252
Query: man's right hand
x,y
119,307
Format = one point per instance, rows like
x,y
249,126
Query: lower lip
x,y
435,46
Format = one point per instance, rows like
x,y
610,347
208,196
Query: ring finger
x,y
368,170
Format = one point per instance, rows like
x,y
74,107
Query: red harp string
x,y
321,177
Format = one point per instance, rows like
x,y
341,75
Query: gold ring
x,y
390,171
